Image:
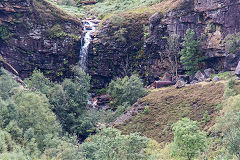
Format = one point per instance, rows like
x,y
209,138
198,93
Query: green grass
x,y
72,10
112,7
223,76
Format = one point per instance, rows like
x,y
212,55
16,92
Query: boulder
x,y
160,84
184,78
180,84
237,70
199,76
215,79
194,82
208,72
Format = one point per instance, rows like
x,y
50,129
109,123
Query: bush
x,y
189,141
109,144
37,81
230,89
126,90
70,100
232,43
7,83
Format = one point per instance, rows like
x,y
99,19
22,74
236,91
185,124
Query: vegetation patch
x,y
167,106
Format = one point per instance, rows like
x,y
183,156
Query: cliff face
x,y
35,34
211,19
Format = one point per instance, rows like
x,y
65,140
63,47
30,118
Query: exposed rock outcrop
x,y
35,34
212,20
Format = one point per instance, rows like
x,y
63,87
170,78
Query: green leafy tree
x,y
37,81
189,141
70,99
110,144
191,56
126,90
34,111
6,84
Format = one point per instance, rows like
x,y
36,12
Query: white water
x,y
89,28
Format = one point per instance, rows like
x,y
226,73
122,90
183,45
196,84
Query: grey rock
x,y
237,70
215,79
180,84
208,72
199,76
194,82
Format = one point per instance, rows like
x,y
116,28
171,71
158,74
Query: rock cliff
x,y
35,34
135,50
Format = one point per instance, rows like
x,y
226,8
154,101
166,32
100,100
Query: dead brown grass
x,y
169,105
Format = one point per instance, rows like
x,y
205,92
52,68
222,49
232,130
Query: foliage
x,y
206,117
232,136
191,56
232,43
37,81
70,99
222,76
4,33
6,84
109,144
56,32
230,89
188,139
126,90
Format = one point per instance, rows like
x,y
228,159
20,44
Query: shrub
x,y
70,99
189,141
232,43
230,89
7,83
37,81
109,144
126,90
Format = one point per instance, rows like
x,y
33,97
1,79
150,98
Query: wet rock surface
x,y
36,35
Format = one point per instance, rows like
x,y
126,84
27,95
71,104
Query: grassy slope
x,y
48,11
168,105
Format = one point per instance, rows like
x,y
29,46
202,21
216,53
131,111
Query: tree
x,y
110,144
6,84
188,139
126,90
191,56
37,81
173,53
70,100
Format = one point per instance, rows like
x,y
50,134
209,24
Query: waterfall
x,y
89,27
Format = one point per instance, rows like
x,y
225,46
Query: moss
x,y
168,105
56,32
4,33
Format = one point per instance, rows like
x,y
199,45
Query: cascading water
x,y
89,27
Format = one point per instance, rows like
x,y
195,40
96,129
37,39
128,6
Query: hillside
x,y
168,105
36,34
